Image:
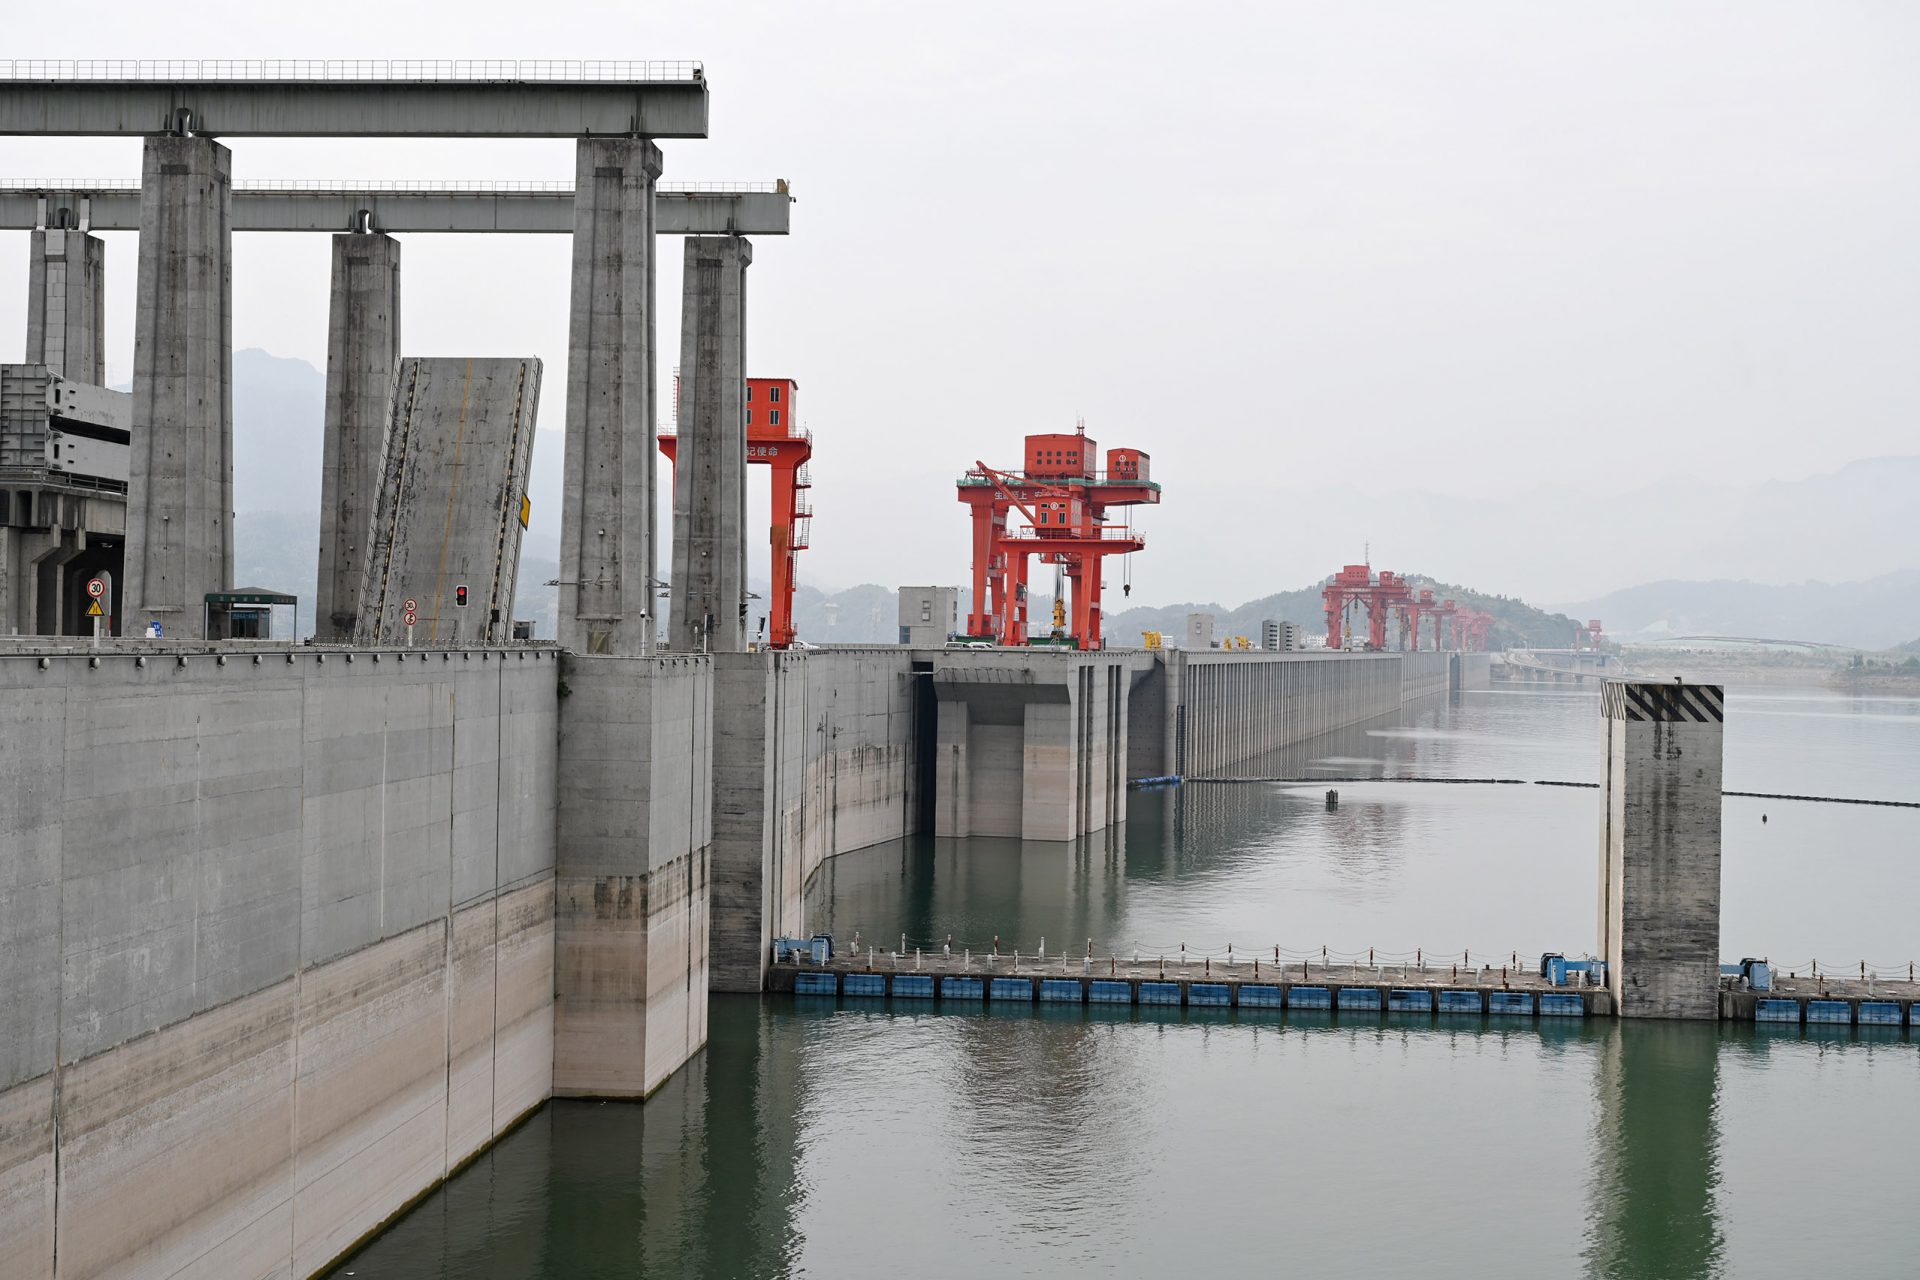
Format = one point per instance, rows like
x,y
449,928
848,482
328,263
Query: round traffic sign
x,y
407,618
96,587
410,605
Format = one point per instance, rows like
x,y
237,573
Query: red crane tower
x,y
1064,501
774,439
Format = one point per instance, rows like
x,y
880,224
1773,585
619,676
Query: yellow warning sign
x,y
95,611
526,510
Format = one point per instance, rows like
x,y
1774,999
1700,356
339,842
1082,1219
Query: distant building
x,y
1281,637
1200,631
929,616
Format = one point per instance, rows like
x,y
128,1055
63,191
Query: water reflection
x,y
1656,1141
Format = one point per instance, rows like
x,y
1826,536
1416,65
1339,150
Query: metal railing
x,y
350,69
399,186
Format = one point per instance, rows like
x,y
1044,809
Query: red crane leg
x,y
986,596
784,512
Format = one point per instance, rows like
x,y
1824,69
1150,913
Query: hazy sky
x,y
1310,256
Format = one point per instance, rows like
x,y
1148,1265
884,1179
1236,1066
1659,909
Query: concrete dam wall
x,y
278,947
1196,713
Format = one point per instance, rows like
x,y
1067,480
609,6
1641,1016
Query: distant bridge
x,y
1784,644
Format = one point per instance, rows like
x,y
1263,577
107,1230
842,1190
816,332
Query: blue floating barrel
x,y
1011,989
1879,1013
1255,996
1063,990
864,984
1461,1002
1512,1003
1410,1002
1777,1011
962,989
1829,1011
1213,994
913,986
1360,999
815,984
1107,991
1159,993
1562,1006
1309,998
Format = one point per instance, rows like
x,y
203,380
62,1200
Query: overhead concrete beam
x,y
350,106
545,211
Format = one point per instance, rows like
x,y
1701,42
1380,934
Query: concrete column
x,y
66,307
363,355
710,473
607,564
180,497
953,771
1660,848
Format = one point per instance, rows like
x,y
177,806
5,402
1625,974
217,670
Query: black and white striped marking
x,y
1651,700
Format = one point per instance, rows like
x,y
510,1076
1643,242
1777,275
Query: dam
x,y
318,923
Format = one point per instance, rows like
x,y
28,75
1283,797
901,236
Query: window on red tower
x,y
773,417
773,394
749,417
750,393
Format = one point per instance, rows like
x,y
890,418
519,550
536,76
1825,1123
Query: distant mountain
x,y
1520,623
1873,614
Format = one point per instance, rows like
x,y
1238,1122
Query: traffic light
x,y
460,597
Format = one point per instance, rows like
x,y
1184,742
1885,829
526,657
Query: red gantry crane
x,y
1356,587
1062,503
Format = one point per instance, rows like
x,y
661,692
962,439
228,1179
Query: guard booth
x,y
245,613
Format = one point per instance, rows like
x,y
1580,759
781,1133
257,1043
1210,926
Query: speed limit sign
x,y
96,588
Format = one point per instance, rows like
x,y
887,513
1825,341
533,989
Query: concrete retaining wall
x,y
1426,673
1214,710
278,946
813,756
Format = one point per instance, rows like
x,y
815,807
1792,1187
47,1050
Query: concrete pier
x,y
180,496
607,556
363,359
631,889
710,473
1659,918
66,304
446,527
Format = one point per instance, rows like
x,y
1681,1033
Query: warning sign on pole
x,y
95,611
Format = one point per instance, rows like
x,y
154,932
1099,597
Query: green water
x,y
855,1139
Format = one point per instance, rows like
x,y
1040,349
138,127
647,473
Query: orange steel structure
x,y
1420,606
1587,637
1064,502
1355,585
775,440
1455,626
